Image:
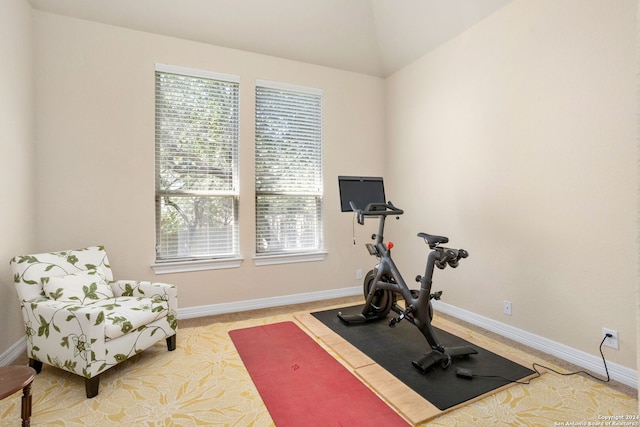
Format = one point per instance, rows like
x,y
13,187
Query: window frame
x,y
193,262
317,253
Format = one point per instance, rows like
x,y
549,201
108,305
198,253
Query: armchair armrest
x,y
63,317
63,334
136,288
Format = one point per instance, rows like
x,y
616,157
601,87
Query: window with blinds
x,y
288,162
196,164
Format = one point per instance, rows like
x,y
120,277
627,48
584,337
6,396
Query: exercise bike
x,y
384,283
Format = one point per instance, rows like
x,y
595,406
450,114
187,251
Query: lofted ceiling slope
x,y
375,37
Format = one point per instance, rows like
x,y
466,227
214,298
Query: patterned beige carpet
x,y
204,383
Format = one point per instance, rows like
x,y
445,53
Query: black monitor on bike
x,y
361,190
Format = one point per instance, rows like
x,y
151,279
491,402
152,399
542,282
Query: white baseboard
x,y
237,306
20,347
13,352
617,372
593,363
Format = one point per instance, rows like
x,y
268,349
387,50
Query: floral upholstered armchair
x,y
79,319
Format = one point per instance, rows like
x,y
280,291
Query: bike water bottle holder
x,y
372,249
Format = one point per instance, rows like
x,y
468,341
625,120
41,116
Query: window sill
x,y
289,258
195,265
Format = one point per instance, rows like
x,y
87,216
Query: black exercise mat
x,y
395,348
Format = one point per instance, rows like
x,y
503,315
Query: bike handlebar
x,y
375,209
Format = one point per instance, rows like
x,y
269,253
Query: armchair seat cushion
x,y
125,314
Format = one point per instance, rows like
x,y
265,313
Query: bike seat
x,y
433,240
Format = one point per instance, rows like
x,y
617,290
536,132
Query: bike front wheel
x,y
382,300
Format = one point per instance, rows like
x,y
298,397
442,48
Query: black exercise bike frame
x,y
388,282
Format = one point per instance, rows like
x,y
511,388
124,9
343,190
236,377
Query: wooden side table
x,y
16,378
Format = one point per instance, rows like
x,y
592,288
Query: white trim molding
x,y
194,72
20,347
195,265
593,363
588,361
254,304
289,258
289,87
13,352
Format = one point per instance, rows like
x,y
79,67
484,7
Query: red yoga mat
x,y
303,385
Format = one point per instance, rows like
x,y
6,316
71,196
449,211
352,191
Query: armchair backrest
x,y
30,272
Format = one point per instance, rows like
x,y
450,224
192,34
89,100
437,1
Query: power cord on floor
x,y
536,365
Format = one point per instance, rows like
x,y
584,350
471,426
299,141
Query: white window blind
x,y
288,169
196,164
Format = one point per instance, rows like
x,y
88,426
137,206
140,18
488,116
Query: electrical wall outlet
x,y
358,274
611,341
506,308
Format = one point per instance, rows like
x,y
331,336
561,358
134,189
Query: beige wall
x,y
17,224
95,154
517,140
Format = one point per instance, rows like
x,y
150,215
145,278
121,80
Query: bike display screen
x,y
361,190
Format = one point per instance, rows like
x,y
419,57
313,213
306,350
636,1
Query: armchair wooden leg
x,y
171,342
91,385
36,365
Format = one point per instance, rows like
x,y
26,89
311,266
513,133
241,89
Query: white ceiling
x,y
376,37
